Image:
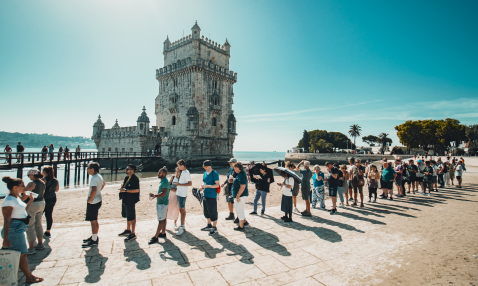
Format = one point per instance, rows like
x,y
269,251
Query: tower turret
x,y
143,123
196,31
227,47
98,128
166,44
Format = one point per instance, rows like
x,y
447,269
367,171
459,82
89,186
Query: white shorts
x,y
162,211
239,208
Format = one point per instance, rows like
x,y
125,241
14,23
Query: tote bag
x,y
9,262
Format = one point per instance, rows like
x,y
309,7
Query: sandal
x,y
35,280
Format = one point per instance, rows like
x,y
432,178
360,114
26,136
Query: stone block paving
x,y
343,249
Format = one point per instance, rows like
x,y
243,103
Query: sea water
x,y
242,156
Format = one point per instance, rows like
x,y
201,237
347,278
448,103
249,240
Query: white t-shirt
x,y
185,177
286,191
420,170
19,207
96,181
459,170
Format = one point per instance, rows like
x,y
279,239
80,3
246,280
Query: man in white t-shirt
x,y
182,192
459,173
94,203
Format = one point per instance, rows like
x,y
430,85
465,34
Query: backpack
x,y
295,189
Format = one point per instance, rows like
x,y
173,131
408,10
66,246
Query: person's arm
x,y
334,175
298,166
188,184
215,186
162,194
7,216
239,193
57,188
103,186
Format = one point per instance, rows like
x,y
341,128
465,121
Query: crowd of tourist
x,y
25,206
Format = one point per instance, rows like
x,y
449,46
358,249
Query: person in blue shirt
x,y
318,192
209,190
239,192
227,191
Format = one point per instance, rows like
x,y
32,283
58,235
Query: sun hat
x,y
33,171
233,160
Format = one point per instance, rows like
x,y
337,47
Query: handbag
x,y
9,263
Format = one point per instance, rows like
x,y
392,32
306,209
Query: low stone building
x,y
194,116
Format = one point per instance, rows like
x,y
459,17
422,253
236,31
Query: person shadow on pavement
x,y
96,264
133,252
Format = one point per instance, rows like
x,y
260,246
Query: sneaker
x,y
239,228
283,218
351,200
423,193
153,240
296,210
354,204
162,235
31,251
374,200
391,198
334,211
341,206
236,220
288,220
125,233
180,230
369,200
246,223
262,213
361,205
306,214
323,208
230,217
130,237
40,247
207,228
253,213
88,239
213,230
91,243
46,235
176,227
384,197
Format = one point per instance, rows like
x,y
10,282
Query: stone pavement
x,y
347,248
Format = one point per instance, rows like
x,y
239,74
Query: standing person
x,y
345,186
340,186
333,179
428,178
446,173
451,170
51,148
15,220
398,178
182,193
440,173
209,189
7,150
263,186
295,191
129,194
358,181
173,207
286,202
420,175
78,150
51,188
20,150
227,191
44,152
350,176
373,179
60,150
248,168
405,177
162,202
67,153
459,173
35,228
412,175
434,176
318,193
305,185
239,192
93,203
388,176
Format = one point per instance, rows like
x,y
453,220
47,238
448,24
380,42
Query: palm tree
x,y
383,139
355,132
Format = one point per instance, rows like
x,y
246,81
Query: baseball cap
x,y
233,160
207,163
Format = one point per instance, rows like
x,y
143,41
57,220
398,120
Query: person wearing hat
x,y
129,194
209,189
227,192
35,228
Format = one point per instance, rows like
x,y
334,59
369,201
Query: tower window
x,y
174,120
175,82
214,84
214,121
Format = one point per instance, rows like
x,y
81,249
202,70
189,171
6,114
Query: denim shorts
x,y
161,211
182,202
333,191
16,235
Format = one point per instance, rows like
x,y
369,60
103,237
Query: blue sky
x,y
300,64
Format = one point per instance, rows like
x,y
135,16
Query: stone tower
x,y
194,103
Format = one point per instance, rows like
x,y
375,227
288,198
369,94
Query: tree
x,y
324,146
383,139
370,140
306,142
472,138
337,139
355,131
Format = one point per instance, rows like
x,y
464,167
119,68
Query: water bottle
x,y
151,195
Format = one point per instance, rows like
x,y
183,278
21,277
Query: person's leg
x,y
340,193
294,201
163,229
95,227
31,234
49,205
213,212
315,196
346,194
133,226
322,197
38,223
350,191
263,201
334,202
355,195
256,199
160,227
361,195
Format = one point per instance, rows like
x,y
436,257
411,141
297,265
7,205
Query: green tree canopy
x,y
337,139
431,134
306,141
472,137
370,140
383,140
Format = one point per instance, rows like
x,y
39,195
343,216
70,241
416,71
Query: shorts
x,y
92,211
419,179
427,184
128,211
458,177
16,235
398,182
161,211
295,192
182,202
358,189
351,186
306,193
387,185
210,208
333,191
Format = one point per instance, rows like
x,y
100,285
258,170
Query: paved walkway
x,y
347,248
